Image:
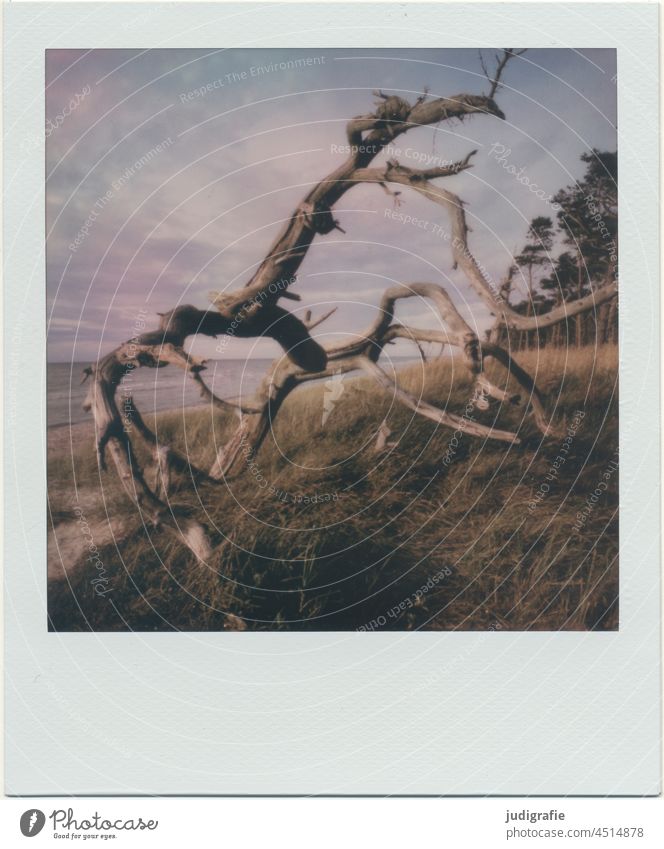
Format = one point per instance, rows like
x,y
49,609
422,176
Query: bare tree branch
x,y
112,434
254,311
494,299
501,62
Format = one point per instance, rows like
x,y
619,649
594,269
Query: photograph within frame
x,y
452,461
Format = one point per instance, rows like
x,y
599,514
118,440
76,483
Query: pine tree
x,y
587,227
534,257
588,221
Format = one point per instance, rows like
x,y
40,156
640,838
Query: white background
x,y
355,823
416,713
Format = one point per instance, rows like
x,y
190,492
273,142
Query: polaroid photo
x,y
332,376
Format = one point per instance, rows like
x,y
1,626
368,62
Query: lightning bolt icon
x,y
33,820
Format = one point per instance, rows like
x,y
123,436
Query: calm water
x,y
156,389
152,389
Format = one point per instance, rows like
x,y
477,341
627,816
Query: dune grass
x,y
322,533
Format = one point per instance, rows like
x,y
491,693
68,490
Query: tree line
x,y
568,258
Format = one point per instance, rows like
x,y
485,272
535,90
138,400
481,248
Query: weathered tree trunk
x,y
112,430
254,311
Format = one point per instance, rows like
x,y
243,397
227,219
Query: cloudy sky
x,y
230,142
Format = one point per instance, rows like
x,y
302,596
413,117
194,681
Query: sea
x,y
160,389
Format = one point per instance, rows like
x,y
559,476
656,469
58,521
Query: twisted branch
x,y
254,311
493,298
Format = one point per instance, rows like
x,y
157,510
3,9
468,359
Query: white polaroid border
x,y
332,713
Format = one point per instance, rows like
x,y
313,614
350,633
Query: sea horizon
x,y
157,390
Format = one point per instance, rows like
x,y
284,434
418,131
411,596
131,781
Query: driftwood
x,y
362,354
254,311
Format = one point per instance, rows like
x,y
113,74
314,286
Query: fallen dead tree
x,y
254,311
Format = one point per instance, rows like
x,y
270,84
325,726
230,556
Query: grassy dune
x,y
322,533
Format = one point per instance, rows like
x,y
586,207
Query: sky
x,y
170,172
